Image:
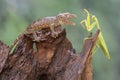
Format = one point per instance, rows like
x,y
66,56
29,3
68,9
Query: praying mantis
x,y
87,24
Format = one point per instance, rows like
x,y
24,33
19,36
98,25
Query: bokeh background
x,y
16,15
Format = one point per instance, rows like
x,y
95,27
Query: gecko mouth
x,y
70,23
64,18
68,19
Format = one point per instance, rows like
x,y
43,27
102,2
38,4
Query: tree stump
x,y
48,59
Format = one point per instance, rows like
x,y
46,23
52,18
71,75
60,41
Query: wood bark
x,y
49,59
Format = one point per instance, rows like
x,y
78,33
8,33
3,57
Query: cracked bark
x,y
50,58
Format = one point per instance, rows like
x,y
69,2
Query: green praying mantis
x,y
87,24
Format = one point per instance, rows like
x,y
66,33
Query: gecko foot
x,y
37,39
54,34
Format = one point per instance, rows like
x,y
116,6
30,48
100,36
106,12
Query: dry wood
x,y
50,59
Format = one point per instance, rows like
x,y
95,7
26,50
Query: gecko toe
x,y
54,35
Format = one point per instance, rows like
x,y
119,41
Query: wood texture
x,y
49,59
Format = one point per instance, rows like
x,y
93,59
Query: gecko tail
x,y
12,47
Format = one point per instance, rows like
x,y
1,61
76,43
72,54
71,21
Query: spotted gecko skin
x,y
46,22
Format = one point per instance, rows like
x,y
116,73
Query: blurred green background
x,y
16,15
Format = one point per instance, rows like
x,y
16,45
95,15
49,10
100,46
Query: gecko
x,y
46,22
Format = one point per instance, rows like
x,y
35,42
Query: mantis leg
x,y
103,46
89,27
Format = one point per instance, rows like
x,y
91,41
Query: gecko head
x,y
64,18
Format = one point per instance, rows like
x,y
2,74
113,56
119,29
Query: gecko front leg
x,y
54,34
36,37
33,32
52,28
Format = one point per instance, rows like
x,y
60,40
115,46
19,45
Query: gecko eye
x,y
60,17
